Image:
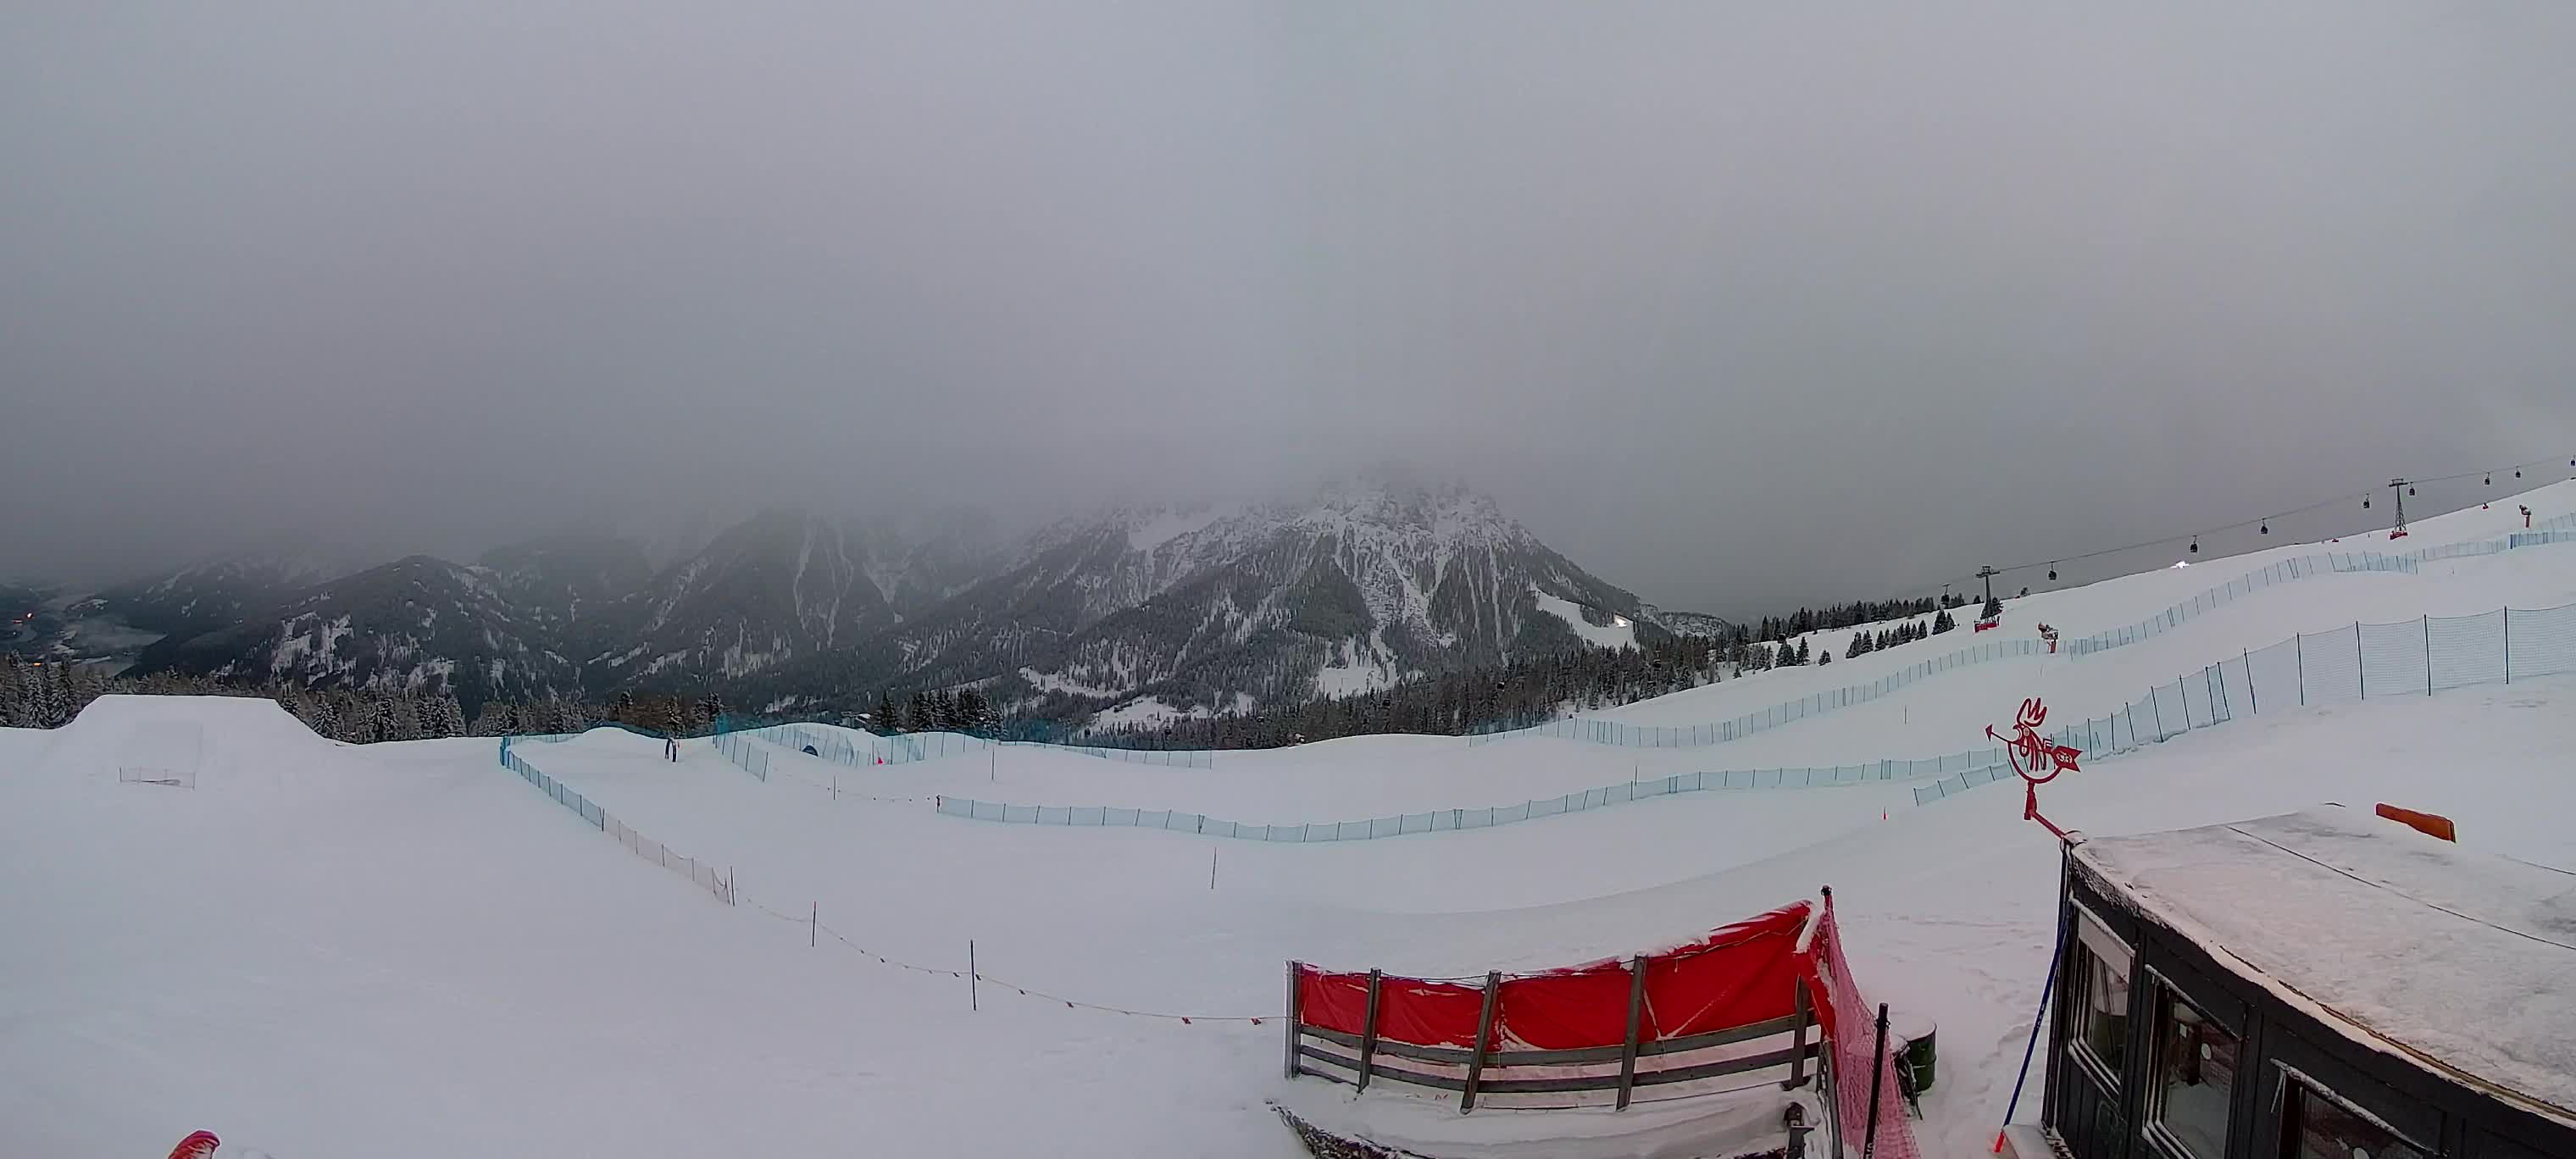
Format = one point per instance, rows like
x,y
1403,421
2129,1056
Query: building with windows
x,y
2327,984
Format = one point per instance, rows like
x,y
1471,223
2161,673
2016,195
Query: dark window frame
x,y
2163,996
2326,1065
2293,1083
2107,1073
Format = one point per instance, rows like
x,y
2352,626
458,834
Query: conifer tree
x,y
444,718
12,695
401,715
54,703
358,719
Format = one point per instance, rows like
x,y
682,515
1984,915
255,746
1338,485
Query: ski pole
x,y
2055,951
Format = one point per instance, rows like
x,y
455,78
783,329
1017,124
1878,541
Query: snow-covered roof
x,y
2464,960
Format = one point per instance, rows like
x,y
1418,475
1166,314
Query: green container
x,y
1916,1057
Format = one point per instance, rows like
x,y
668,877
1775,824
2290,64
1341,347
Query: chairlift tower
x,y
2401,486
1988,574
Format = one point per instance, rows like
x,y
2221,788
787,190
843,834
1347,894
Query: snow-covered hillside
x,y
404,950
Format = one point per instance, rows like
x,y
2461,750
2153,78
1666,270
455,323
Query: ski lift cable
x,y
2257,521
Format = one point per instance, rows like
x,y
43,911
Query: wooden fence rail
x,y
1358,1059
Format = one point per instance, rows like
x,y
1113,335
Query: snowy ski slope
x,y
405,950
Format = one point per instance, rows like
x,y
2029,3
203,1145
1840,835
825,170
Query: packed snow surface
x,y
404,950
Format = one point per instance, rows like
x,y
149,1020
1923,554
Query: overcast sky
x,y
1735,304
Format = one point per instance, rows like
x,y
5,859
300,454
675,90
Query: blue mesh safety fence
x,y
863,749
2346,684
2362,663
703,875
1973,762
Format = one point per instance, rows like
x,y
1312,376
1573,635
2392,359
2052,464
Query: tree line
x,y
51,694
1530,691
1513,694
1806,620
938,710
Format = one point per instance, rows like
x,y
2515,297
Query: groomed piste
x,y
408,950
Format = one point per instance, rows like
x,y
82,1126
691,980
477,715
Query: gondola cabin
x,y
2328,984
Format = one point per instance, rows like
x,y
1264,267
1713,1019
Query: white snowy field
x,y
405,950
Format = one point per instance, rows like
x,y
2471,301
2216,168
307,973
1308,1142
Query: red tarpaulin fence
x,y
1738,976
1735,976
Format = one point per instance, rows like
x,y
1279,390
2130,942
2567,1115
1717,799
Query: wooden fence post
x,y
1798,1041
1368,1028
1877,1076
1636,1018
1294,1011
1484,1041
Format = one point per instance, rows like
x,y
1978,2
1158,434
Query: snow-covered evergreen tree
x,y
56,705
401,714
12,696
326,716
360,720
26,684
31,685
451,716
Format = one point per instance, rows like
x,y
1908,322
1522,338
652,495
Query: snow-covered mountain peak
x,y
1344,588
